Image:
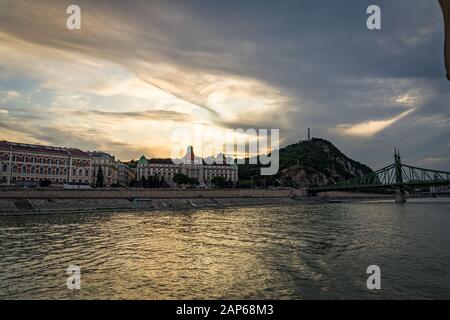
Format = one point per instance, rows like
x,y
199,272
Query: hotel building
x,y
28,164
192,166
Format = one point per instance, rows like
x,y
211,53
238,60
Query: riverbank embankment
x,y
46,201
43,201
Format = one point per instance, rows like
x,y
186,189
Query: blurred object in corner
x,y
445,5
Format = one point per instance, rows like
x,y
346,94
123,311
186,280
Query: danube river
x,y
291,252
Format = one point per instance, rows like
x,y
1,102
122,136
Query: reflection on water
x,y
302,252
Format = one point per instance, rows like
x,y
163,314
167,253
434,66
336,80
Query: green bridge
x,y
396,176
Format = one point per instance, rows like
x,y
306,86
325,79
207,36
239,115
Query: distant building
x,y
108,164
29,164
125,174
156,167
192,166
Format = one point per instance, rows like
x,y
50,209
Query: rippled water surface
x,y
292,252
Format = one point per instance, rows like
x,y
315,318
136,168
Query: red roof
x,y
34,148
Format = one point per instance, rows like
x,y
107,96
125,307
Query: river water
x,y
279,252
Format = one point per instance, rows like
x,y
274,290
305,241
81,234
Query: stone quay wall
x,y
148,193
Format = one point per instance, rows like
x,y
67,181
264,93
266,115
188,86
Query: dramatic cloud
x,y
369,128
139,70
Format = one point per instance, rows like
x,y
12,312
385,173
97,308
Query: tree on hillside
x,y
100,178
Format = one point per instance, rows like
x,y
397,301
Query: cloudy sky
x,y
139,70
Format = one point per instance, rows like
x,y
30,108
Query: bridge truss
x,y
396,175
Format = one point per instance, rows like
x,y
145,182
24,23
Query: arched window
x,y
33,170
80,172
57,171
15,168
5,168
41,170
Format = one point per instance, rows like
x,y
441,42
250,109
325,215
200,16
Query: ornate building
x,y
192,166
22,164
109,166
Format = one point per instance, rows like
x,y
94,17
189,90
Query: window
x,y
33,170
5,168
41,170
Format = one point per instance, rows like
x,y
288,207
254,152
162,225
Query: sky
x,y
138,71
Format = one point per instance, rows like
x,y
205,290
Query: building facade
x,y
107,163
29,164
192,166
125,174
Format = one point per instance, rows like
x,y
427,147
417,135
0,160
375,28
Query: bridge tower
x,y
400,195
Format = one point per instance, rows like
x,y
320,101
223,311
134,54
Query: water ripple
x,y
272,252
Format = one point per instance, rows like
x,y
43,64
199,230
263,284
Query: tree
x,y
157,182
45,183
143,182
193,181
246,184
150,182
218,182
181,178
163,183
100,178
